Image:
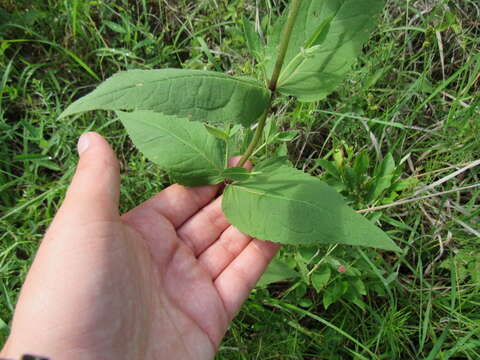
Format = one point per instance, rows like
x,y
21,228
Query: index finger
x,y
177,203
240,277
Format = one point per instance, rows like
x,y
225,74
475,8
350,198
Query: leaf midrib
x,y
267,194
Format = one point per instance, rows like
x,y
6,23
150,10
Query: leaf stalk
x,y
256,137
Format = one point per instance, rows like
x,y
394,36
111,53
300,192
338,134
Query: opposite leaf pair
x,y
325,43
276,202
165,101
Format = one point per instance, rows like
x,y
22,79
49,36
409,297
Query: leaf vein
x,y
191,146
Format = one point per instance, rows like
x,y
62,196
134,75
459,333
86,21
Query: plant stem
x,y
256,138
282,51
285,41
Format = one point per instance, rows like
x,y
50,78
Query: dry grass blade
x,y
412,200
448,177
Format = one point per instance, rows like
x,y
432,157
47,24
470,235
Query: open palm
x,y
160,282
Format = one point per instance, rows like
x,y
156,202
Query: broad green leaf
x,y
196,95
277,271
321,276
288,206
383,178
334,292
325,43
185,149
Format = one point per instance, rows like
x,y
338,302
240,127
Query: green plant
x,y
415,112
361,185
163,112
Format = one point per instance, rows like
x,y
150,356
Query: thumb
x,y
94,192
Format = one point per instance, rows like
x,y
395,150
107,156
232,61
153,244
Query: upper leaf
x,y
185,149
325,43
288,206
197,95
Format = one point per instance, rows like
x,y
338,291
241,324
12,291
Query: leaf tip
x,y
391,246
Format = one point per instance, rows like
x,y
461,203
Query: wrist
x,y
24,357
7,354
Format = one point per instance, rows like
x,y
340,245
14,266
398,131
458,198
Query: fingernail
x,y
83,143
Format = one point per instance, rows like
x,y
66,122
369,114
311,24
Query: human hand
x,y
160,282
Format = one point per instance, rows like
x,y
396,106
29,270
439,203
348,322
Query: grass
x,y
415,94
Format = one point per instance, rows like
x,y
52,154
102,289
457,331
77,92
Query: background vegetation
x,y
407,117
